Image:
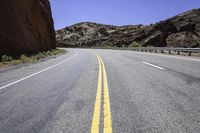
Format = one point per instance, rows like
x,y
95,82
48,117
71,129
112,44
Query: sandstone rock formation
x,y
26,26
182,30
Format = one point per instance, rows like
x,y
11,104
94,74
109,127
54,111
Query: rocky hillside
x,y
26,26
182,30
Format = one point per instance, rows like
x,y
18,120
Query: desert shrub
x,y
57,51
5,58
54,51
103,31
36,57
134,44
48,53
45,53
24,58
41,55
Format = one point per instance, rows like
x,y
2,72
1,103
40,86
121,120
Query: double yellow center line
x,y
106,101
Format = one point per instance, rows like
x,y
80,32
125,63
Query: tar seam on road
x,y
97,109
153,65
27,77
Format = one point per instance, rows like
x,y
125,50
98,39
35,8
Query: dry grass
x,y
8,60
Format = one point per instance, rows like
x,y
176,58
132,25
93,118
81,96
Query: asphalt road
x,y
88,90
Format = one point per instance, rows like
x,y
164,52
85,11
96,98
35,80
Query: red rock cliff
x,y
26,26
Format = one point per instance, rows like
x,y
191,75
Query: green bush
x,y
57,51
41,55
103,31
134,44
48,52
5,58
35,57
24,58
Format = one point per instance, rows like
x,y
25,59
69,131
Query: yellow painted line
x,y
107,110
97,108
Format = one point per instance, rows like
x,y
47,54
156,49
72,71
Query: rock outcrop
x,y
26,26
182,30
89,34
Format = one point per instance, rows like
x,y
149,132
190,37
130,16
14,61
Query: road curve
x,y
141,92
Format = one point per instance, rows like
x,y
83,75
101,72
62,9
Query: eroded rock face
x,y
92,34
183,39
26,26
182,30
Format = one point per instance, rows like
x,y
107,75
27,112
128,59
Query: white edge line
x,y
15,82
153,65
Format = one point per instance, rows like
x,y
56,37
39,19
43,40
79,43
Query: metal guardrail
x,y
160,49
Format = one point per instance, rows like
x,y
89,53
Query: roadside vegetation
x,y
134,45
6,60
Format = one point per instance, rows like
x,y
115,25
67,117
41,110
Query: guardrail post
x,y
190,53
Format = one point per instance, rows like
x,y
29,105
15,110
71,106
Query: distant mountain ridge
x,y
182,30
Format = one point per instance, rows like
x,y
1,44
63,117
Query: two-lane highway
x,y
89,90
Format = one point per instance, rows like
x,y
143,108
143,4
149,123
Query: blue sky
x,y
117,12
